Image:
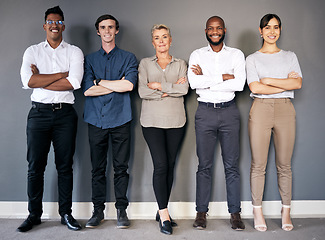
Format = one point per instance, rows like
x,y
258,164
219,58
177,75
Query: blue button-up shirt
x,y
114,109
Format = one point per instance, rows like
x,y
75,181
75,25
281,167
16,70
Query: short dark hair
x,y
265,20
220,18
106,17
54,10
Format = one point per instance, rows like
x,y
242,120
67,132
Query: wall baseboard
x,y
179,210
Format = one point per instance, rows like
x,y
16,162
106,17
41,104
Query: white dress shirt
x,y
210,86
65,58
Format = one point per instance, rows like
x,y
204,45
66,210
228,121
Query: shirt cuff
x,y
25,80
216,81
74,82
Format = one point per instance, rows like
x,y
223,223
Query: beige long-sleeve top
x,y
158,111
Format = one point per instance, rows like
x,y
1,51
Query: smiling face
x,y
107,31
271,32
161,40
215,31
54,30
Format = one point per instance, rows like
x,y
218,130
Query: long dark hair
x,y
265,20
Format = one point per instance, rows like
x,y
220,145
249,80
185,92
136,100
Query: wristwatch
x,y
97,81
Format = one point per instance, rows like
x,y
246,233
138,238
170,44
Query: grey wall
x,y
21,25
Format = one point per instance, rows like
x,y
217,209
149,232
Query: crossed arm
x,y
157,85
55,81
196,69
276,85
108,86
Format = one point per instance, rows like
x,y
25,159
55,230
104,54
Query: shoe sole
x,y
238,229
90,226
122,227
199,227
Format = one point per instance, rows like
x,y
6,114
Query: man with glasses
x,y
53,69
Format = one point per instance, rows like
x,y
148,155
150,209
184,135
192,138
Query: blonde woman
x,y
162,85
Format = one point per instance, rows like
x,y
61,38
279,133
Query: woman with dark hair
x,y
272,75
162,85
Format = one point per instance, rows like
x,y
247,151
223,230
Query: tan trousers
x,y
269,116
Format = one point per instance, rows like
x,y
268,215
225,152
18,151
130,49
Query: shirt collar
x,y
103,52
224,47
154,58
63,44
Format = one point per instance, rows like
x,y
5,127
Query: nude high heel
x,y
286,226
259,227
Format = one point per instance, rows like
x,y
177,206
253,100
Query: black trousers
x,y
163,145
213,124
44,126
98,140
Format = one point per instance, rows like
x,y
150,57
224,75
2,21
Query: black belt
x,y
218,105
52,106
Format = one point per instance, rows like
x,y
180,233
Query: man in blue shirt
x,y
110,74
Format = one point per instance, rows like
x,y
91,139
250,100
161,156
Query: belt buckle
x,y
215,105
56,106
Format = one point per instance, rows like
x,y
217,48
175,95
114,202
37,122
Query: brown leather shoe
x,y
236,222
200,220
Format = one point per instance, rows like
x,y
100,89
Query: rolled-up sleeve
x,y
88,77
25,71
76,69
131,72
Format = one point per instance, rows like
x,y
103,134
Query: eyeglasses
x,y
50,22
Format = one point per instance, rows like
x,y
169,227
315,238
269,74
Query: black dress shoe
x,y
29,223
236,222
72,223
173,223
166,227
96,219
122,219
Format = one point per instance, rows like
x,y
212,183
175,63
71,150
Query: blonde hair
x,y
159,27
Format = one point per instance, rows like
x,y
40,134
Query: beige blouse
x,y
166,112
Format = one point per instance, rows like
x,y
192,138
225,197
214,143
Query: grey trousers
x,y
213,124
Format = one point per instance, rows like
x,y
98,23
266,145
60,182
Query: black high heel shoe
x,y
166,227
173,223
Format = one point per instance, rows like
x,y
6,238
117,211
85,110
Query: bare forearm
x,y
117,85
260,88
44,80
286,84
227,76
60,85
95,91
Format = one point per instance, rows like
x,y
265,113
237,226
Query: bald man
x,y
216,72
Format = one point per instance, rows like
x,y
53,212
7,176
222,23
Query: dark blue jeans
x,y
43,127
212,124
98,140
